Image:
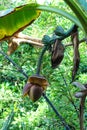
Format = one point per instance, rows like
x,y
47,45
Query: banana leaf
x,y
15,20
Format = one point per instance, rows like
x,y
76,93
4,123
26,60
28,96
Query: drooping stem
x,y
69,32
40,60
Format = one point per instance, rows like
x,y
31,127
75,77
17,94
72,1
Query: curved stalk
x,y
40,60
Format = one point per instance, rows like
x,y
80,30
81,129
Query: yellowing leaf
x,y
15,20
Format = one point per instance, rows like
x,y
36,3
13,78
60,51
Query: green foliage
x,y
39,115
15,20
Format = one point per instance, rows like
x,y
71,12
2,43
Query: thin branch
x,y
40,60
62,120
82,40
39,44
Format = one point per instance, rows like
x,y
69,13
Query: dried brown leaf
x,y
76,59
57,53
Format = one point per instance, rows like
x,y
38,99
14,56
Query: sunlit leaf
x,y
15,20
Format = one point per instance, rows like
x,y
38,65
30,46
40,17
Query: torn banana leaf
x,y
15,20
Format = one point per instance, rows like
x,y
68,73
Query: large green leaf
x,y
80,13
60,12
15,20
